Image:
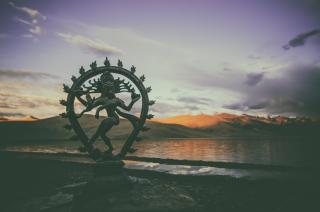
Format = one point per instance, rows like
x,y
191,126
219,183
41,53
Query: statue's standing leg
x,y
107,142
98,133
106,125
94,137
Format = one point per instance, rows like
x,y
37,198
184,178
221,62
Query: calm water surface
x,y
281,151
295,152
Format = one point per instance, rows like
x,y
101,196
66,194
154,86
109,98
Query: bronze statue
x,y
109,102
106,86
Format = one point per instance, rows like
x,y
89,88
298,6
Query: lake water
x,y
293,152
271,151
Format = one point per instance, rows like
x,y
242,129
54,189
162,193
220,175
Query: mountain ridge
x,y
208,121
51,129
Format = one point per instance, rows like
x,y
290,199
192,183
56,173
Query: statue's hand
x,y
135,97
89,106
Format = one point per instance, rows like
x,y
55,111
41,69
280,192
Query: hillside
x,y
246,125
205,121
198,121
52,129
185,126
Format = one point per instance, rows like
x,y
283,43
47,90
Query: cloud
x,y
5,105
27,36
34,16
199,78
23,21
168,109
34,29
194,100
252,79
258,106
301,39
292,90
21,75
235,106
14,86
95,46
192,108
162,107
40,97
17,101
37,30
245,107
295,92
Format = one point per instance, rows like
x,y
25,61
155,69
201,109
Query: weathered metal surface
x,y
100,81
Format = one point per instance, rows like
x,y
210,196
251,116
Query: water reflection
x,y
293,152
257,151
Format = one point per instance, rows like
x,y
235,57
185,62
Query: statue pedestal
x,y
108,179
111,190
108,168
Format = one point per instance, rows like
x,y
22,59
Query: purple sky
x,y
241,56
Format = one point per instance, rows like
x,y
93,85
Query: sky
x,y
259,57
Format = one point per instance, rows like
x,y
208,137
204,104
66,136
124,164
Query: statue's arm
x,y
84,102
98,111
128,107
90,104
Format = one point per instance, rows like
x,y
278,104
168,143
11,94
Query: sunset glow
x,y
201,57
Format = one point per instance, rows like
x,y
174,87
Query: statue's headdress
x,y
108,80
106,77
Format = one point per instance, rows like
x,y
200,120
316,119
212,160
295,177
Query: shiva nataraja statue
x,y
97,89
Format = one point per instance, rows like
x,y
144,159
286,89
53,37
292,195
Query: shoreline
x,y
30,183
82,157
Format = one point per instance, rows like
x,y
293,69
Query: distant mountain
x,y
204,121
53,129
225,124
3,118
198,121
184,126
27,118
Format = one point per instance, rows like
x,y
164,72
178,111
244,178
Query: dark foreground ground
x,y
30,184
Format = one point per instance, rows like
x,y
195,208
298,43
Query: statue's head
x,y
108,84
